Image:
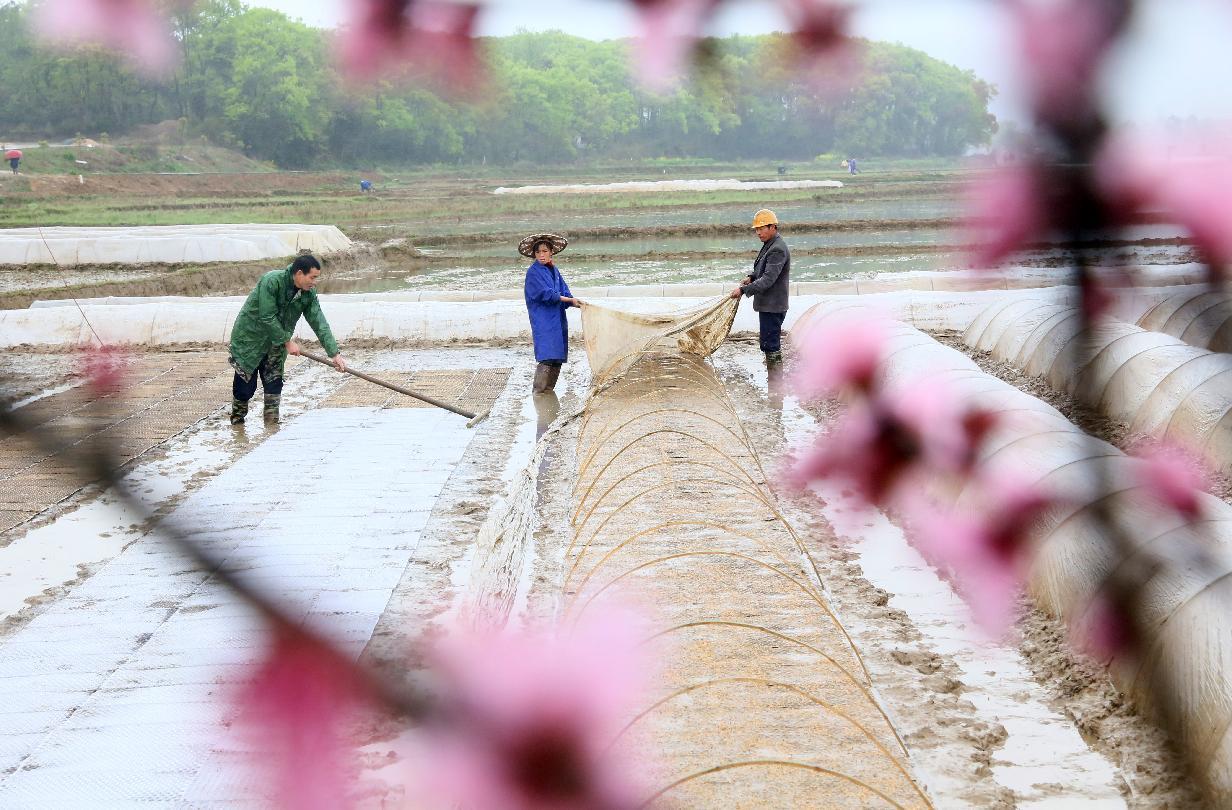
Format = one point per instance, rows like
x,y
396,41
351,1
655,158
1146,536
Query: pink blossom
x,y
668,32
527,720
863,449
841,353
1175,477
824,52
426,39
1194,191
136,29
1103,631
947,433
1198,195
1062,44
818,25
881,445
297,705
1005,210
984,550
1128,174
103,367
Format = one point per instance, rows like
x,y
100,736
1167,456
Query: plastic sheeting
x,y
166,244
1152,382
443,316
1200,317
1186,651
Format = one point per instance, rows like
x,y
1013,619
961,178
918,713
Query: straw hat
x,y
527,246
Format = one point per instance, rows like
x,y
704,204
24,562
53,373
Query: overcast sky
x,y
1176,63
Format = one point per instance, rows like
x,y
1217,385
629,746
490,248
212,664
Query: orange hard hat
x,y
764,217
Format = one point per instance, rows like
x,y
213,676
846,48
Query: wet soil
x,y
20,287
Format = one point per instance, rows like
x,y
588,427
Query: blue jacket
x,y
548,327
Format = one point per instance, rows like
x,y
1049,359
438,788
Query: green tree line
x,y
253,79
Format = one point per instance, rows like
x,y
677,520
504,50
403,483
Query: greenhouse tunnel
x,y
1156,384
1186,607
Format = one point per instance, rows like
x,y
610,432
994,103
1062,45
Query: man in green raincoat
x,y
263,334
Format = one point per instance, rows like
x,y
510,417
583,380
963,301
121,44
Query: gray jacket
x,y
770,277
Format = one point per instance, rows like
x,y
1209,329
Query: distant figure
x,y
782,170
14,162
365,186
851,165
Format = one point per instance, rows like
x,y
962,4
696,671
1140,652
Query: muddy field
x,y
972,735
1022,723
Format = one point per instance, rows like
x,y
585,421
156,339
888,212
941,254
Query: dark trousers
x,y
771,330
244,386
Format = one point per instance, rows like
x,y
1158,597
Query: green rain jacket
x,y
267,321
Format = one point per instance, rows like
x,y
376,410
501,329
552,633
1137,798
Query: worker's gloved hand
x,y
293,348
339,363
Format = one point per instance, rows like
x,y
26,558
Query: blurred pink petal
x,y
1128,173
1175,477
865,450
1005,210
297,706
1062,44
824,53
1199,197
879,446
668,30
1103,632
841,353
430,40
136,29
947,434
1189,181
1096,300
103,368
818,25
984,551
527,720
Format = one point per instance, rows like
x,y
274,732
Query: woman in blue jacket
x,y
547,299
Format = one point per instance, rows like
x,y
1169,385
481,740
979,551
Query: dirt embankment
x,y
247,184
94,281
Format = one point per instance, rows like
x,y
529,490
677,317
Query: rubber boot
x,y
271,409
545,378
239,410
774,359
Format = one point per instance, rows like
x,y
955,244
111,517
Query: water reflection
x,y
547,406
776,386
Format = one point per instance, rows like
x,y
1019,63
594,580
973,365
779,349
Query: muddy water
x,y
826,205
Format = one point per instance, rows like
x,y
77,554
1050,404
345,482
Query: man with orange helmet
x,y
768,284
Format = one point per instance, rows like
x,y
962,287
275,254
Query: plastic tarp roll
x,y
166,244
1200,317
1186,609
1153,383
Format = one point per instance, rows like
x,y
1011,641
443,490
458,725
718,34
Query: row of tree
x,y
256,80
